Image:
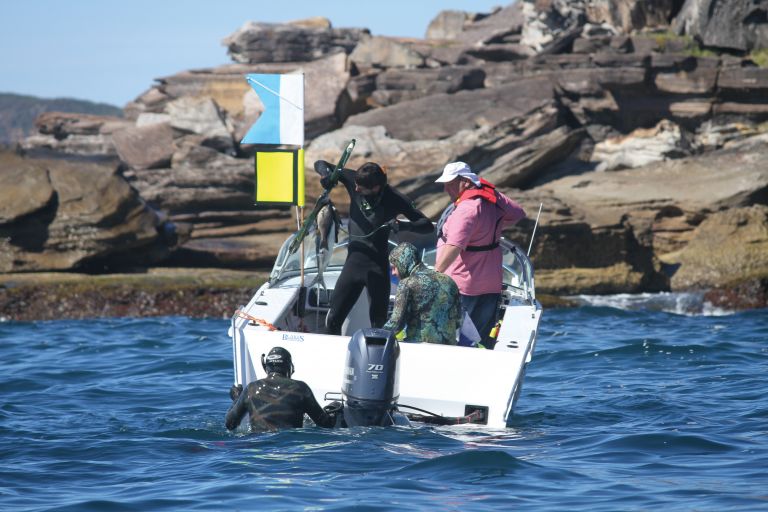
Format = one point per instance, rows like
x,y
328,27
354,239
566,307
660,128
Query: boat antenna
x,y
534,229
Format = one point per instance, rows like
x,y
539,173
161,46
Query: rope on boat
x,y
259,321
435,419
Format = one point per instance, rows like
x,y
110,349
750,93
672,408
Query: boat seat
x,y
359,316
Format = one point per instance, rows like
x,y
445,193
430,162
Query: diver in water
x,y
276,401
373,210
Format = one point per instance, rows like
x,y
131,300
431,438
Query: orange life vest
x,y
487,192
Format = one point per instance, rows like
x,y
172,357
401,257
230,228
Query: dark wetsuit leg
x,y
345,294
360,271
378,285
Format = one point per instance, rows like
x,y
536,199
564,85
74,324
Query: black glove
x,y
394,226
323,168
234,391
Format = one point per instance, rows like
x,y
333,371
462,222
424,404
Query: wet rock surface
x,y
200,293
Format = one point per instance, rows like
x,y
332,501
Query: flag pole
x,y
300,215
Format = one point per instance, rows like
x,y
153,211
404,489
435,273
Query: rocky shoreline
x,y
640,126
197,293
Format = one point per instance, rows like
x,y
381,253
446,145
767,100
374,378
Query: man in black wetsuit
x,y
373,210
276,401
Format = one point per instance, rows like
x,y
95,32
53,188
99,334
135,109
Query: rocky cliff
x,y
641,127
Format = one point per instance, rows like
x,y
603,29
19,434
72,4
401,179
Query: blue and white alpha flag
x,y
282,121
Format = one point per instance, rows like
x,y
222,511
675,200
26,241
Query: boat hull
x,y
449,381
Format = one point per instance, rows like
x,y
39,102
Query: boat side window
x,y
280,261
518,271
513,268
288,264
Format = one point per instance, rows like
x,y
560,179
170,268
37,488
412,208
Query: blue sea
x,y
626,405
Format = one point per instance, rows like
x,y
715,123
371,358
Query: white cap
x,y
456,169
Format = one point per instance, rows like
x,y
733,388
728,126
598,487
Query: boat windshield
x,y
517,268
288,265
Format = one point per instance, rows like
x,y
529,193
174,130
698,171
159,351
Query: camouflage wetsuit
x,y
277,402
427,303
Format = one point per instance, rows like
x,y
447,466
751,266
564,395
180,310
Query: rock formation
x,y
640,125
77,135
63,215
727,24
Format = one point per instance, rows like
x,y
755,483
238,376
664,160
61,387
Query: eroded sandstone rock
x,y
442,115
733,24
728,246
662,142
145,147
385,52
533,96
74,135
82,215
290,42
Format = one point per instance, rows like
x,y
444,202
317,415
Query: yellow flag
x,y
280,177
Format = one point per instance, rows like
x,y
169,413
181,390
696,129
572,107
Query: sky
x,y
111,51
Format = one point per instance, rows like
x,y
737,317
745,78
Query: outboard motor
x,y
371,379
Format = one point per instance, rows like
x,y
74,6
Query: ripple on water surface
x,y
621,410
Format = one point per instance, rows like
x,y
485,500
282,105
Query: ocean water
x,y
622,409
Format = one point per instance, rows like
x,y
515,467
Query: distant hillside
x,y
18,113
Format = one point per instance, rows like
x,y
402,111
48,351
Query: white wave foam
x,y
680,303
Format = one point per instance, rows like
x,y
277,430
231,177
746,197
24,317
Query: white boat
x,y
448,381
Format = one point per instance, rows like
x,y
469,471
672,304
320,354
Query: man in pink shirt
x,y
468,242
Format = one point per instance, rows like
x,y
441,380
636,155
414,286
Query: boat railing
x,y
518,271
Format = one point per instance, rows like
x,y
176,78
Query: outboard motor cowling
x,y
371,378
